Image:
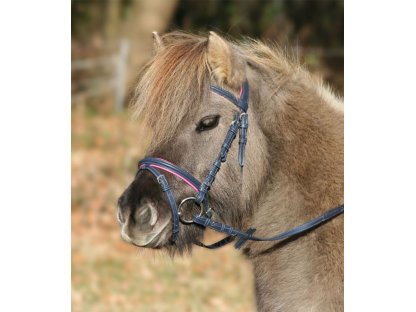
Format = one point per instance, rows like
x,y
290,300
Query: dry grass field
x,y
110,275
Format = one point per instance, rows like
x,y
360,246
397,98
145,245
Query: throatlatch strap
x,y
216,245
226,241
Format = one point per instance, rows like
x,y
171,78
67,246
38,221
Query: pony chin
x,y
185,240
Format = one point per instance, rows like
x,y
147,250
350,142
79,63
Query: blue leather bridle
x,y
239,124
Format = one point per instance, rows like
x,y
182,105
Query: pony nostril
x,y
146,214
154,216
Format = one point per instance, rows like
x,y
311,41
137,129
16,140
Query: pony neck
x,y
303,124
304,134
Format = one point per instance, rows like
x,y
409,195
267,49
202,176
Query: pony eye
x,y
208,123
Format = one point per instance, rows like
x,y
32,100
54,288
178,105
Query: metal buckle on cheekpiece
x,y
180,209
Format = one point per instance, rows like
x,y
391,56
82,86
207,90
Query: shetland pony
x,y
293,164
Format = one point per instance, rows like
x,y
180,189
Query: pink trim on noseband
x,y
176,175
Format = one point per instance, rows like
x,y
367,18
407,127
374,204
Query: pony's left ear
x,y
226,65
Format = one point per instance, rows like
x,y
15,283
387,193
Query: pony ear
x,y
157,41
226,65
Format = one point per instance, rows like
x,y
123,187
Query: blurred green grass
x,y
110,275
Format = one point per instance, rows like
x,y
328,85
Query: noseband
x,y
239,124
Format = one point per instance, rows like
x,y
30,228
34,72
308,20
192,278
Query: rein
x,y
239,125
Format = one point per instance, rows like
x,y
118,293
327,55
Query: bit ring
x,y
180,212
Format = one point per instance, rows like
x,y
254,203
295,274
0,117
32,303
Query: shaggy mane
x,y
173,84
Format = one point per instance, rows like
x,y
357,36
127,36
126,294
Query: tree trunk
x,y
145,16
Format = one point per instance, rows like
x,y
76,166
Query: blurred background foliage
x,y
314,29
111,40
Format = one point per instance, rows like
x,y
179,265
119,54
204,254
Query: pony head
x,y
189,124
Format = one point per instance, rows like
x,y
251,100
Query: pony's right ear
x,y
226,65
157,41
